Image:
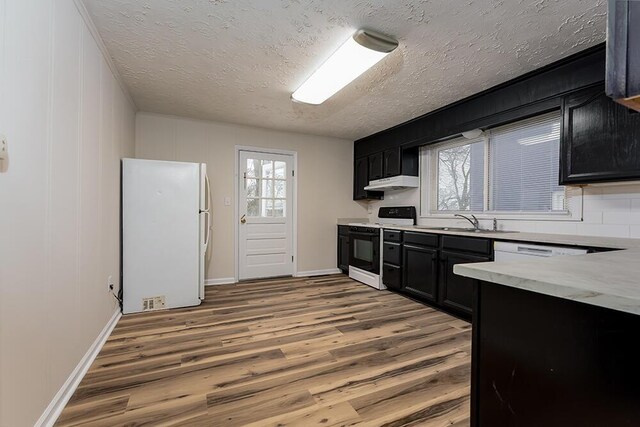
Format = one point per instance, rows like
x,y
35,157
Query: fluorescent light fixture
x,y
359,53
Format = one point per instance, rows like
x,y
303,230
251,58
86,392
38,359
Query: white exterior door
x,y
265,215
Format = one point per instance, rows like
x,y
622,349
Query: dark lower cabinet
x,y
600,140
343,248
456,292
392,253
343,253
392,259
392,276
539,360
420,267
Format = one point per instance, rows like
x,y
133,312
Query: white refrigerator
x,y
165,234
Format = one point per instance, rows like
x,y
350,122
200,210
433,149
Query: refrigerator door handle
x,y
208,229
208,194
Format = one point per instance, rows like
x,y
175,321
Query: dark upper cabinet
x,y
392,162
420,268
623,52
537,92
600,139
376,166
456,292
361,180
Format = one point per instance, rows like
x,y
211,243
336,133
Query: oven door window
x,y
363,250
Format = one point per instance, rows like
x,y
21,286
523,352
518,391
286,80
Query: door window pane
x,y
267,188
281,170
279,208
252,207
253,167
252,187
267,169
267,207
461,177
280,189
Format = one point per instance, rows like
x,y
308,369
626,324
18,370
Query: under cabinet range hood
x,y
393,183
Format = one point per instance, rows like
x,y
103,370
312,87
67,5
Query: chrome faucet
x,y
474,221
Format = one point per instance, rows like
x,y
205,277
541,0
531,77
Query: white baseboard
x,y
318,272
51,414
222,281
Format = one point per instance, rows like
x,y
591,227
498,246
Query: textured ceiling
x,y
239,60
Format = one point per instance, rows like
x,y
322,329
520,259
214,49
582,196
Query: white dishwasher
x,y
509,251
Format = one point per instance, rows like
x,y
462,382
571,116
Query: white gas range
x,y
365,243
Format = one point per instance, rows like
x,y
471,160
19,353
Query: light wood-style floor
x,y
307,351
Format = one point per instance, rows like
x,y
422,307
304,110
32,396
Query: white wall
x,y
612,211
324,180
68,123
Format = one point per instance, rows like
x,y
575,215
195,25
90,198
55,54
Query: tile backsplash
x,y
611,210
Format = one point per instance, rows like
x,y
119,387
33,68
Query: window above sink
x,y
510,171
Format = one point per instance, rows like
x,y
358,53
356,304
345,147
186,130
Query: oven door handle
x,y
364,234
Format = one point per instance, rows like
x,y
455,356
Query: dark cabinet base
x,y
421,271
456,292
343,248
545,361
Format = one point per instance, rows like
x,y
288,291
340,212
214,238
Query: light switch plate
x,y
227,201
3,147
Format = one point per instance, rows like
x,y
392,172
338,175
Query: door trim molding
x,y
236,205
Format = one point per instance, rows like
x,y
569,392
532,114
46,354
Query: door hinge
x,y
291,258
293,173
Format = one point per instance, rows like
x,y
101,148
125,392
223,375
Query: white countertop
x,y
605,279
556,239
347,221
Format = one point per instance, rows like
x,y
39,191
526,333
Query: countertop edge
x,y
616,243
479,271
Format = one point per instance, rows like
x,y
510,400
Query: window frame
x,y
429,184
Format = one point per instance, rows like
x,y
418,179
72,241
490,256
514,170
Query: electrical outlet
x,y
110,284
227,201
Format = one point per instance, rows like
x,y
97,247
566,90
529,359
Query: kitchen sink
x,y
470,230
462,229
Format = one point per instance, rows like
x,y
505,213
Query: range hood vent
x,y
393,183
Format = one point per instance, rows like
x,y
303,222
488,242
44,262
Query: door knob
x,y
243,219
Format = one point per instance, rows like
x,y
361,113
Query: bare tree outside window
x,y
454,171
461,177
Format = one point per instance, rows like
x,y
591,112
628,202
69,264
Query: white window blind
x,y
524,166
